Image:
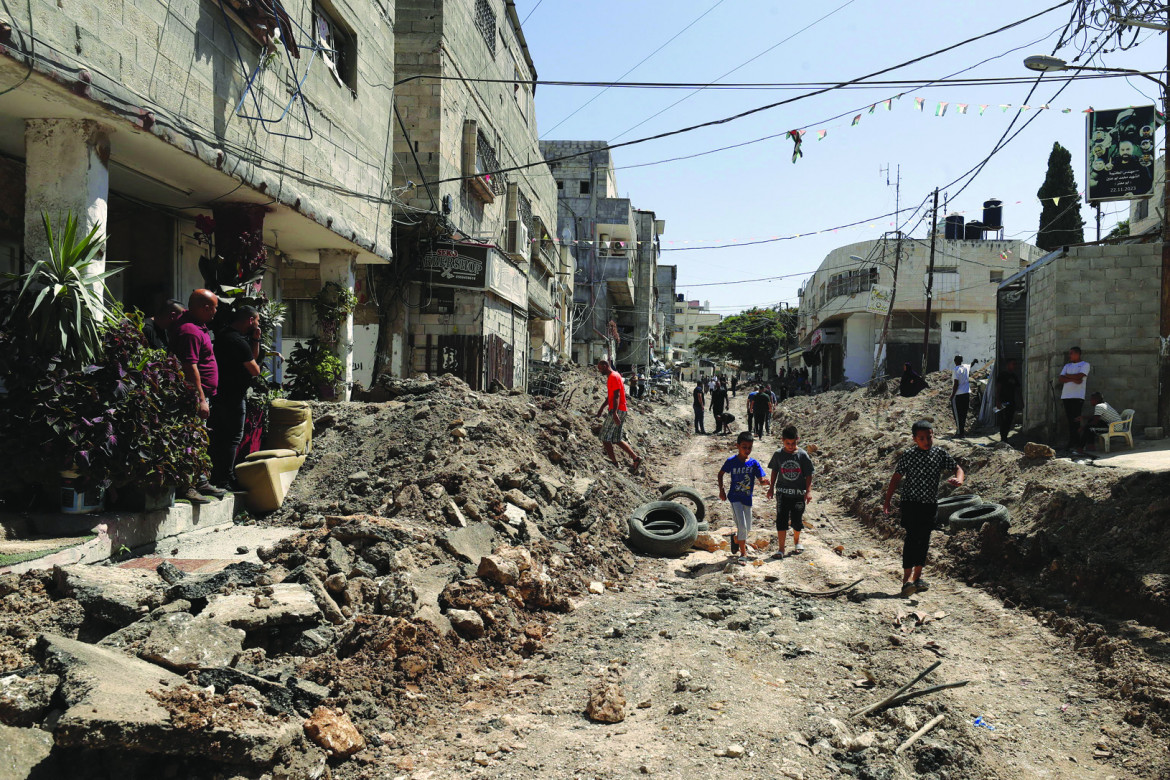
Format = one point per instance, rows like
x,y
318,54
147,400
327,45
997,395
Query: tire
x,y
678,491
948,505
672,528
976,516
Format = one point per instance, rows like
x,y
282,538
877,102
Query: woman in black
x,y
912,382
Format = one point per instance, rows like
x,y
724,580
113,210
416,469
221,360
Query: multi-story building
x,y
691,318
139,115
664,317
837,326
479,287
615,249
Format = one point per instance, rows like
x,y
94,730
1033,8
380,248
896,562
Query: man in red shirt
x,y
615,400
190,339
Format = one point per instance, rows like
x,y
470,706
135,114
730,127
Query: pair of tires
x,y
666,527
971,512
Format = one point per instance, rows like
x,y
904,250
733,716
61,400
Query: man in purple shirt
x,y
191,342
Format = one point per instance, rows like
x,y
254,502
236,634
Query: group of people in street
x,y
218,370
713,393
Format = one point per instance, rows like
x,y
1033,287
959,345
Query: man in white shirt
x,y
1072,393
1103,415
961,394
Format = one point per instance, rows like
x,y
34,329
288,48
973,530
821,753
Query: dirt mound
x,y
1086,546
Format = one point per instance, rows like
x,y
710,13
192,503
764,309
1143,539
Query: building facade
x,y
140,115
480,287
691,318
667,276
840,335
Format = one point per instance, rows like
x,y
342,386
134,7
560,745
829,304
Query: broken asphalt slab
x,y
274,605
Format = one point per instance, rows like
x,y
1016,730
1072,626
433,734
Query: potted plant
x,y
316,372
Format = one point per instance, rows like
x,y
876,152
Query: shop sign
x,y
455,266
879,299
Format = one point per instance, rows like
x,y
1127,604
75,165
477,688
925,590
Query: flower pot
x,y
78,500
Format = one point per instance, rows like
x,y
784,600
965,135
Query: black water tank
x,y
954,227
973,231
993,214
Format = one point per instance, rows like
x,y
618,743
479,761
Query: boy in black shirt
x,y
918,471
792,473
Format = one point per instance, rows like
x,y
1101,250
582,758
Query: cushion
x,y
263,454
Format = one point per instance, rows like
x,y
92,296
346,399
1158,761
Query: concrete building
x,y
691,318
138,115
664,316
841,337
615,248
480,287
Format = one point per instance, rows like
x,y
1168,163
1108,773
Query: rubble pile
x,y
442,531
1084,546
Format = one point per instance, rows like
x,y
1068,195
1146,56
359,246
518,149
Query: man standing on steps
x,y
611,431
961,394
917,471
190,340
1072,393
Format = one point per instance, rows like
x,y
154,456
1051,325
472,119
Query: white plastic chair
x,y
1122,428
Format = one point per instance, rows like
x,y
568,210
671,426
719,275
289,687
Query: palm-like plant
x,y
63,303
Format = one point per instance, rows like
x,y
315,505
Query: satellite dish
x,y
566,236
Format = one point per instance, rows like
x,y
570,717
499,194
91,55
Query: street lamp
x,y
1046,64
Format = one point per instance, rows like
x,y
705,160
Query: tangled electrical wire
x,y
1099,20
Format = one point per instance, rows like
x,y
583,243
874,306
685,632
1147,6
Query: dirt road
x,y
726,672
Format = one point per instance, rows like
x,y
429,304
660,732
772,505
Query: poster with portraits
x,y
1121,154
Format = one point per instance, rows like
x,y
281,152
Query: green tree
x,y
1060,215
750,338
1120,230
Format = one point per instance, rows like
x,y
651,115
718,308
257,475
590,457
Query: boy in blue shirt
x,y
744,471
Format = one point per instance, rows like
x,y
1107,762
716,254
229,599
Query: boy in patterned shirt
x,y
918,471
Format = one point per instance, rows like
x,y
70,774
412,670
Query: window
x,y
852,282
340,45
946,279
485,22
523,209
958,326
996,276
520,93
1141,210
584,187
438,300
301,321
560,185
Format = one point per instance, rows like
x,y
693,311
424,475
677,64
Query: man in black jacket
x,y
155,328
237,350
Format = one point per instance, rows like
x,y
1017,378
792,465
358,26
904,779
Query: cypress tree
x,y
1060,214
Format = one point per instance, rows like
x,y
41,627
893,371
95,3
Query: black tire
x,y
948,505
976,516
663,516
676,492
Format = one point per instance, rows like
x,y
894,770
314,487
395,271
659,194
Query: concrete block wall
x,y
177,60
1105,299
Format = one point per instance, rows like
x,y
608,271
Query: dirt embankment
x,y
1088,548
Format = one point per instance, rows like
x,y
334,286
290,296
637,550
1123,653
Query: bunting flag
x,y
1056,201
1066,110
821,134
1025,108
856,121
1004,107
961,108
941,109
797,140
920,102
871,108
889,105
982,108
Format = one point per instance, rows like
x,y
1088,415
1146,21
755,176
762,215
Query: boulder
x,y
118,596
469,544
497,569
332,729
1034,450
287,604
24,700
110,706
337,558
183,642
467,623
710,542
321,597
607,704
514,515
25,753
515,496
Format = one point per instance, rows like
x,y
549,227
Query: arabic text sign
x,y
1121,151
879,299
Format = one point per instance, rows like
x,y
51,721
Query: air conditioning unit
x,y
517,243
617,248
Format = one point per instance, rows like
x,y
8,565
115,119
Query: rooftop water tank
x,y
973,230
954,227
993,214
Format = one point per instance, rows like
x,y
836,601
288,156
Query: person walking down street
x,y
718,402
699,405
190,340
792,474
961,394
744,471
1007,396
761,409
156,329
1072,393
1103,415
912,382
734,385
237,352
773,400
615,403
917,472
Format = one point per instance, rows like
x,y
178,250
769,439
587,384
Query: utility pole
x,y
930,287
1164,319
880,352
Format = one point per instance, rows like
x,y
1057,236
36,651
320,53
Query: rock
x,y
409,497
734,751
454,514
307,694
24,700
243,549
710,612
607,704
335,583
319,595
396,594
531,530
515,496
811,449
481,758
436,491
200,587
130,635
1034,450
358,476
682,678
497,569
710,542
362,569
25,753
315,641
109,706
861,742
337,558
288,604
514,515
169,572
182,642
332,729
739,622
469,544
459,433
677,708
115,595
597,587
277,698
804,615
466,622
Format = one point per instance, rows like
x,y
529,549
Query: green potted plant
x,y
316,372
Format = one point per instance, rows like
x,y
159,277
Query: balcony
x,y
618,275
540,300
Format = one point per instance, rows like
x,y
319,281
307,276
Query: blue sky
x,y
755,192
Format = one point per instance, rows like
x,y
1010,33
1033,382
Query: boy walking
x,y
917,471
744,471
615,404
792,473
